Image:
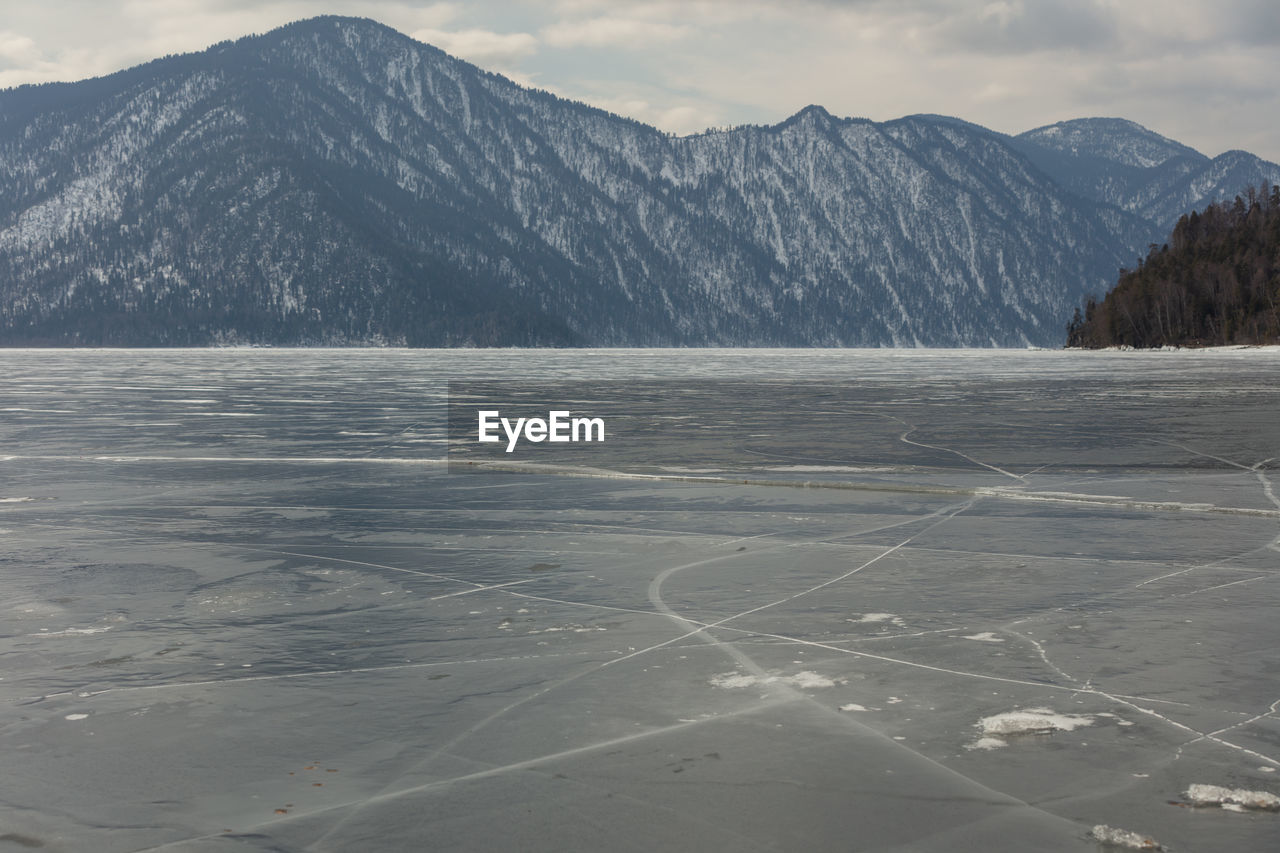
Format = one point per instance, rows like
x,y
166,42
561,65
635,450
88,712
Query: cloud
x,y
681,119
17,50
1027,26
1258,22
480,46
22,61
1195,70
614,32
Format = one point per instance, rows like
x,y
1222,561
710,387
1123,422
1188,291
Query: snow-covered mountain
x,y
334,181
1121,163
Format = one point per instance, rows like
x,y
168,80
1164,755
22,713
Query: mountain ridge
x,y
334,181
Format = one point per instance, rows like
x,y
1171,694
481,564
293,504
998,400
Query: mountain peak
x,y
1116,139
339,22
814,115
354,33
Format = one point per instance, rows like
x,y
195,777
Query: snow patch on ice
x,y
879,619
1032,721
810,679
985,637
987,743
72,632
74,717
1232,799
835,469
806,679
1124,838
852,706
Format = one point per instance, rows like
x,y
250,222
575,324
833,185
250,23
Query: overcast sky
x,y
1203,72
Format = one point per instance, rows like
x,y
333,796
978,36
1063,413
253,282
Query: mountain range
x,y
334,182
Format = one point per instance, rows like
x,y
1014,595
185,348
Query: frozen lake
x,y
247,606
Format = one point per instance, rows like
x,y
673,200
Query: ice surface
x,y
300,631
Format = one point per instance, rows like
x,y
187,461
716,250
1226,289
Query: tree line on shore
x,y
1216,282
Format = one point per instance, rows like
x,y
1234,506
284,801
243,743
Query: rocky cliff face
x,y
336,182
